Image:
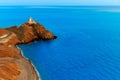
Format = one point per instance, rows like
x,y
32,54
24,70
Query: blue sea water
x,y
88,43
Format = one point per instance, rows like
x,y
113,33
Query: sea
x,y
88,43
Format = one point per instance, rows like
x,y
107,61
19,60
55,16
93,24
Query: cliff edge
x,y
13,66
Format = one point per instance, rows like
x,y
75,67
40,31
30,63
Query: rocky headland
x,y
13,66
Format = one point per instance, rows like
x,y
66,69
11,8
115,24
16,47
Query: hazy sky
x,y
59,2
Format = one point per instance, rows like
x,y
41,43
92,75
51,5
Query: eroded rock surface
x,y
13,66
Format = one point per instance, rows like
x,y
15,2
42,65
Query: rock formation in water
x,y
13,66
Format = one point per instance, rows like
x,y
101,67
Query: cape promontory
x,y
13,66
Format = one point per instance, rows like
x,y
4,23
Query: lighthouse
x,y
31,21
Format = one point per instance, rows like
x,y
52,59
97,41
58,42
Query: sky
x,y
60,2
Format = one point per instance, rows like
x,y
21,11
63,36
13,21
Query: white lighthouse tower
x,y
31,21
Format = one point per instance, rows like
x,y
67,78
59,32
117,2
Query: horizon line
x,y
59,5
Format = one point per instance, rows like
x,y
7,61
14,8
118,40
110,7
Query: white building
x,y
31,21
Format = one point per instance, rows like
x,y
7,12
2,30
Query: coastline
x,y
34,68
32,65
13,64
16,67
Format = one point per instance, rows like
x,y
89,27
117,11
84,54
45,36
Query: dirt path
x,y
6,38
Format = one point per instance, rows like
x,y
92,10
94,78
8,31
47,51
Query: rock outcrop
x,y
13,66
29,32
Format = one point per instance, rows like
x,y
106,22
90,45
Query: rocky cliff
x,y
13,66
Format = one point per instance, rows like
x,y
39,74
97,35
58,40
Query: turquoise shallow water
x,y
88,43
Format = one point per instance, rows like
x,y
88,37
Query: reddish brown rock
x,y
3,32
13,66
29,32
